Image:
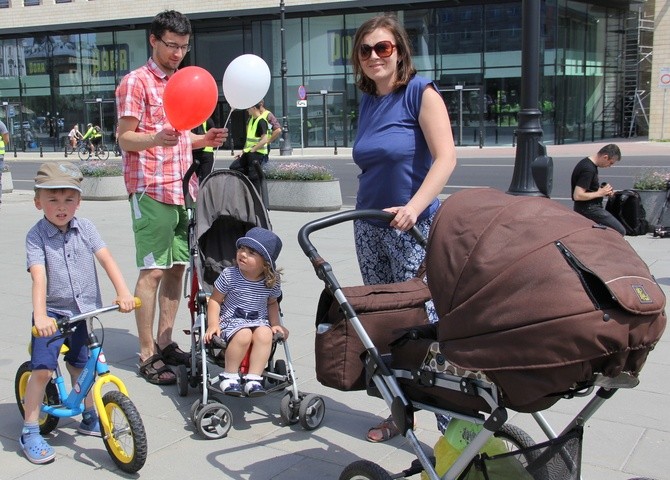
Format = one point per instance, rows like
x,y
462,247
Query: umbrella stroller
x,y
535,303
227,207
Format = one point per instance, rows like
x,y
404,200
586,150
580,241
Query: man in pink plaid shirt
x,y
155,159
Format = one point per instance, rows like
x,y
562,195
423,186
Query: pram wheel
x,y
214,420
289,409
364,470
182,380
311,412
517,440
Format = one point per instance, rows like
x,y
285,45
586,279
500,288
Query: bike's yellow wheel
x,y
127,440
47,422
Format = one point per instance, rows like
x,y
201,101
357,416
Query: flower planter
x,y
7,183
104,188
304,195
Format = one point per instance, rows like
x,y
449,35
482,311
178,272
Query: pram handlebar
x,y
321,267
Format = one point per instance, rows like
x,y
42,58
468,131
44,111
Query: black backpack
x,y
626,207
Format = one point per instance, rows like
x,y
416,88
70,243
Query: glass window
x,y
31,3
326,45
4,3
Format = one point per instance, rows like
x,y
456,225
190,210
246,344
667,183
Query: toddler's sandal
x,y
36,449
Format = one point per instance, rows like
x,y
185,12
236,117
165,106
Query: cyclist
x,y
74,136
94,136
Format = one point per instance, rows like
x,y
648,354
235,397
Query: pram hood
x,y
227,207
523,283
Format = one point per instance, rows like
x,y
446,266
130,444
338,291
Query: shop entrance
x,y
102,112
467,108
325,122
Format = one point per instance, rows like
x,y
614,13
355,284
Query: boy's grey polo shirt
x,y
69,259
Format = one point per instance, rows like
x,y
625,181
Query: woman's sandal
x,y
388,430
157,375
36,449
173,355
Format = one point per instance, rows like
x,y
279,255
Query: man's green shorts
x,y
161,232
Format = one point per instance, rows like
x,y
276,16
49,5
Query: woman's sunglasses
x,y
382,49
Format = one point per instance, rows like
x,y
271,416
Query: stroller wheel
x,y
289,409
279,369
311,412
182,380
214,421
364,470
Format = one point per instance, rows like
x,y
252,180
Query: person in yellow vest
x,y
255,148
273,126
4,144
93,135
204,156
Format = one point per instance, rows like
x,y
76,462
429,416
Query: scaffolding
x,y
637,56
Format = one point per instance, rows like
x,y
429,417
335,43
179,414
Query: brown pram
x,y
536,304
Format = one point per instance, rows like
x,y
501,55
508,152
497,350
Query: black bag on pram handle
x,y
534,296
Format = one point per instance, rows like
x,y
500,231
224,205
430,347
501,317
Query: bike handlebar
x,y
63,322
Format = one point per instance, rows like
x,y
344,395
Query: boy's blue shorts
x,y
45,357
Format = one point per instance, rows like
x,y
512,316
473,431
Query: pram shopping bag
x,y
537,297
385,311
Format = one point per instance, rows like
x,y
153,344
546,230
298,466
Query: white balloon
x,y
246,81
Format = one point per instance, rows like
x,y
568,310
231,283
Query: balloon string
x,y
231,112
224,126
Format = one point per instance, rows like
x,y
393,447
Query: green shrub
x,y
652,180
297,171
101,169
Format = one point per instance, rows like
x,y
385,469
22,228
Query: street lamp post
x,y
285,148
531,159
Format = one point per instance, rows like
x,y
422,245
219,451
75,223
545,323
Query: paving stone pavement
x,y
629,437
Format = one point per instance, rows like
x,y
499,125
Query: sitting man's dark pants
x,y
598,214
249,164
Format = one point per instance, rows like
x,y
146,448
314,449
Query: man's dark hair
x,y
611,150
170,21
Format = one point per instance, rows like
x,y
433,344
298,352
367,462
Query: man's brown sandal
x,y
162,375
173,355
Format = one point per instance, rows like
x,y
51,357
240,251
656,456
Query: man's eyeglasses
x,y
175,47
382,49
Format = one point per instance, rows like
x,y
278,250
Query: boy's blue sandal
x,y
91,427
234,389
36,449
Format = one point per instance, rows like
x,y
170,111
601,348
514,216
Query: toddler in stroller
x,y
244,306
229,223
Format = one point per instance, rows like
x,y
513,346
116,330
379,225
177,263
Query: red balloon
x,y
190,97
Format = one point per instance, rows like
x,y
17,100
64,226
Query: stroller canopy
x,y
226,208
536,295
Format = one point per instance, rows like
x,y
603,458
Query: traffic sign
x,y
664,79
301,103
302,93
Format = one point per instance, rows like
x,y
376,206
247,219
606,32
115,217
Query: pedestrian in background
x,y
588,192
205,155
4,145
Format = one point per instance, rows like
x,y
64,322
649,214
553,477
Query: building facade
x,y
598,74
